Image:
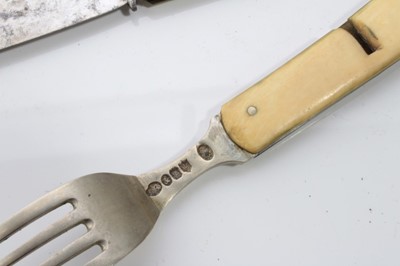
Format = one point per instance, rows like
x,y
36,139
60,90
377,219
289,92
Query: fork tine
x,y
53,231
72,250
32,212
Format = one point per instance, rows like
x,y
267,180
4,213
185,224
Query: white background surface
x,y
127,93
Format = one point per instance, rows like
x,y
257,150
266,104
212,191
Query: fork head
x,y
115,209
119,211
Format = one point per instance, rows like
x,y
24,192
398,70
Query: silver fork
x,y
119,211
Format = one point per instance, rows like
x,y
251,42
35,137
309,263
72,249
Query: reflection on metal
x,y
214,149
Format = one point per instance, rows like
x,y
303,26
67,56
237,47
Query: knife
x,y
270,200
25,20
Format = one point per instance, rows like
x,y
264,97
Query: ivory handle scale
x,y
333,67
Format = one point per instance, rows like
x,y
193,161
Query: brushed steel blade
x,y
24,20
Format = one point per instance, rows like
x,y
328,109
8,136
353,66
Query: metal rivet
x,y
252,111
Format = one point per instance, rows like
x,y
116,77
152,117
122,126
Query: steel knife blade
x,y
23,20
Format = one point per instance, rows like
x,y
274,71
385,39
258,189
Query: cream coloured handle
x,y
333,67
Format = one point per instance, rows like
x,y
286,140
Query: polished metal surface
x,y
114,208
23,20
118,210
214,149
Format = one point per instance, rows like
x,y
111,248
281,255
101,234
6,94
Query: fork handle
x,y
330,69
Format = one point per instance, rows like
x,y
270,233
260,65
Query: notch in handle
x,y
320,76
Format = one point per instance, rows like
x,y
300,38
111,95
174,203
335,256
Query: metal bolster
x,y
215,148
132,4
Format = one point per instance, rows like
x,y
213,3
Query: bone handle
x,y
333,67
